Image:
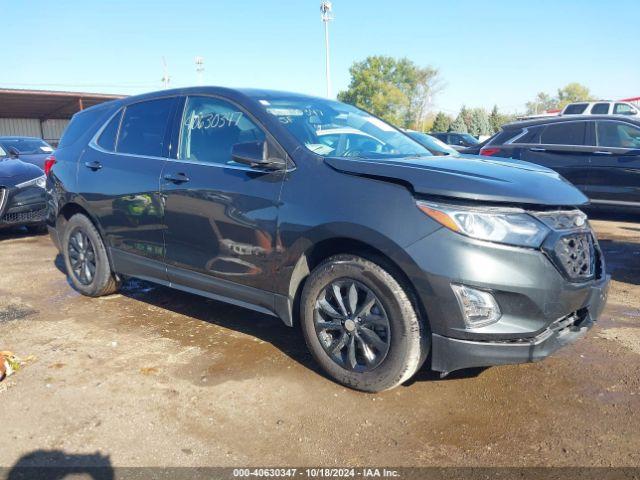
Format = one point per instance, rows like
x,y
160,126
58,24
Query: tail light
x,y
489,151
49,162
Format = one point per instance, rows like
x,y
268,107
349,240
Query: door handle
x,y
537,149
602,152
93,165
176,178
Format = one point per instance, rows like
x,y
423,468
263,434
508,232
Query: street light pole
x,y
325,15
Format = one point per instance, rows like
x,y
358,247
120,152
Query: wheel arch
x,y
397,263
69,210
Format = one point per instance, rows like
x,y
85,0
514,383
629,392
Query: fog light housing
x,y
478,307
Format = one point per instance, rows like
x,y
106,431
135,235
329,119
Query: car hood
x,y
14,171
470,177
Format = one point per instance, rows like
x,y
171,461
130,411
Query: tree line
x,y
402,93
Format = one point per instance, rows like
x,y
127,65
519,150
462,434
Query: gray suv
x,y
320,214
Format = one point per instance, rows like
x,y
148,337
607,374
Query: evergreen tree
x,y
495,120
441,123
459,125
479,123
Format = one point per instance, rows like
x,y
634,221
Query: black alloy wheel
x,y
352,325
82,257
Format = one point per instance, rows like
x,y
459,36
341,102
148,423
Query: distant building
x,y
43,113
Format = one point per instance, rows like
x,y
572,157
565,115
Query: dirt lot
x,y
155,377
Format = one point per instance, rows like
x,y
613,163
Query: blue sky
x,y
488,52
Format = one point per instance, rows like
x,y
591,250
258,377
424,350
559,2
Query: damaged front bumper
x,y
449,354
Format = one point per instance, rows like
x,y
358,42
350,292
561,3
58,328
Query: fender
x,y
326,240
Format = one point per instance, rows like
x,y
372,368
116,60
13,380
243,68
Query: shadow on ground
x,y
58,465
622,259
613,214
289,341
11,233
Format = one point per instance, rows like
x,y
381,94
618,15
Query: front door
x,y
221,216
615,176
119,175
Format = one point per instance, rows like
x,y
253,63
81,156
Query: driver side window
x,y
210,127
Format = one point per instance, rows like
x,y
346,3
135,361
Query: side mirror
x,y
13,152
256,155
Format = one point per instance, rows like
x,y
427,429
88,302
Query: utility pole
x,y
165,74
200,69
325,14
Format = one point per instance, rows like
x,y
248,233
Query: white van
x,y
602,107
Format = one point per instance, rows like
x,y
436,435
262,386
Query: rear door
x,y
118,177
221,216
615,177
565,147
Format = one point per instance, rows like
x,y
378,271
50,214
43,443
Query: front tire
x,y
86,260
360,324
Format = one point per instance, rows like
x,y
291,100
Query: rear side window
x,y
532,135
144,126
575,109
108,136
570,133
624,109
211,127
600,109
618,135
80,124
504,136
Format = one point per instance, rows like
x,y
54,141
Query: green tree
x,y
541,104
441,122
573,92
479,122
495,120
465,114
459,125
394,89
462,122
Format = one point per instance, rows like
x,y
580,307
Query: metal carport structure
x,y
43,113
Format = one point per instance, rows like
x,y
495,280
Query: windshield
x,y
26,145
435,146
471,140
335,129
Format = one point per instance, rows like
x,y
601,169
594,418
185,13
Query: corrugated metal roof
x,y
45,104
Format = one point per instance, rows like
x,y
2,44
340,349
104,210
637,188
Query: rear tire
x,y
85,258
385,342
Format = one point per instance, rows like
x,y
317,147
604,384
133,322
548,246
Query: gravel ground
x,y
155,377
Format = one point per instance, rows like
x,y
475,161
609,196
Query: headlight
x,y
503,225
40,182
562,220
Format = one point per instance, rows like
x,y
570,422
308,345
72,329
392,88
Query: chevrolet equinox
x,y
317,212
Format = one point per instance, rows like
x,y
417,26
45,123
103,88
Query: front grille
x,y
576,254
25,217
